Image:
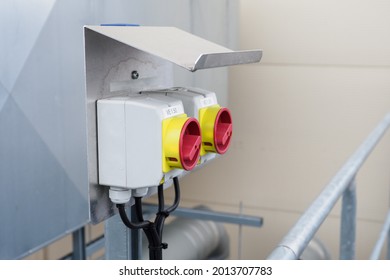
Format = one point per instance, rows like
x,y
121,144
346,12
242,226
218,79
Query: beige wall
x,y
322,86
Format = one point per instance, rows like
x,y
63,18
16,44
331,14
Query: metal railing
x,y
119,236
342,185
381,241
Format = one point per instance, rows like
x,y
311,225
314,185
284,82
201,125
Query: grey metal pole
x,y
117,239
79,251
385,233
388,244
121,243
348,223
209,215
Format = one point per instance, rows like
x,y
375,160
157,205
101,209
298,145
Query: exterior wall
x,y
319,90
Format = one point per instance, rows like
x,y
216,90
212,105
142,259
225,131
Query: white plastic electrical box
x,y
143,141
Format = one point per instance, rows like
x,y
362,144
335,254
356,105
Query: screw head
x,y
134,75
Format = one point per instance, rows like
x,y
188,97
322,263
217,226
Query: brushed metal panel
x,y
43,134
109,65
43,169
177,46
39,201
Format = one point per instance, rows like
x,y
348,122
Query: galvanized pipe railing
x,y
381,240
342,184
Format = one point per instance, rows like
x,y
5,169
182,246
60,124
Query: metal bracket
x,y
134,59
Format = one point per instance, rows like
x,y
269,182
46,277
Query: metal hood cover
x,y
177,46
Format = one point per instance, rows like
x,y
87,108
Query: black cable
x,y
138,208
164,213
161,214
149,229
155,247
153,230
177,196
161,202
150,232
160,195
127,222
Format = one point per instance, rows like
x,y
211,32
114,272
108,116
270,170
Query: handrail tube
x,y
388,246
299,236
382,238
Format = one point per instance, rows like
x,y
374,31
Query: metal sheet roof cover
x,y
178,46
